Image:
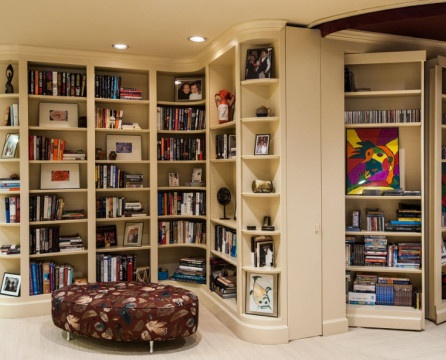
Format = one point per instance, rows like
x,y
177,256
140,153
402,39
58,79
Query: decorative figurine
x,y
112,155
225,105
9,89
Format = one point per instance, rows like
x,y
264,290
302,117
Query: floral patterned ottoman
x,y
125,311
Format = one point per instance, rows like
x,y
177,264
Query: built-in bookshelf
x,y
385,209
436,166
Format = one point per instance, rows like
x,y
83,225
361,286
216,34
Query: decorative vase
x,y
225,105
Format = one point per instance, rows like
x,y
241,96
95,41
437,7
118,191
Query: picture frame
x,y
261,294
10,147
126,147
261,146
133,233
174,179
11,284
106,236
259,62
59,176
189,89
58,115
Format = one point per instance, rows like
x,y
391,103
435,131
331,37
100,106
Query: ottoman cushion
x,y
126,311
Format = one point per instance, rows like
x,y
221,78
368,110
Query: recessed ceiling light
x,y
120,46
197,39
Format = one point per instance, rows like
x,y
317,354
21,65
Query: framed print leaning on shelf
x,y
11,284
59,176
133,234
261,294
262,144
127,147
10,147
58,115
189,89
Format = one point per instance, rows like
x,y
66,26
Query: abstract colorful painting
x,y
372,159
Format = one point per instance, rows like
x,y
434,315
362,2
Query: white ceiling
x,y
159,27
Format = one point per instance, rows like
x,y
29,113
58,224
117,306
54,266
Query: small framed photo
x,y
10,147
259,63
262,144
196,174
58,115
261,294
174,179
189,89
126,147
133,233
59,176
11,284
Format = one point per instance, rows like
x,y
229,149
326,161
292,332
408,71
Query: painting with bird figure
x,y
261,294
372,159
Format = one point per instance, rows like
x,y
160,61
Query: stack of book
x,y
70,243
73,214
226,286
10,249
71,155
408,219
133,180
375,250
8,184
409,255
364,290
134,209
191,269
130,94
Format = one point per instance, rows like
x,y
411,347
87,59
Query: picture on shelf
x,y
126,147
189,89
10,147
262,144
59,176
58,115
106,236
11,284
372,158
258,63
196,174
174,179
133,234
261,294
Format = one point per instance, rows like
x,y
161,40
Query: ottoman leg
x,y
68,336
151,346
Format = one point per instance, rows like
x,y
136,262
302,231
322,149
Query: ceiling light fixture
x,y
197,39
120,46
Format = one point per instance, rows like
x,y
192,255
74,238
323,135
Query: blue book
x,y
7,212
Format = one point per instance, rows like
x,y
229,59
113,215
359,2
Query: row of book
x,y
181,118
12,209
223,278
115,267
47,276
182,203
115,207
109,87
181,232
44,148
225,240
375,251
47,239
45,207
57,83
181,148
110,176
191,269
12,115
225,146
382,116
108,118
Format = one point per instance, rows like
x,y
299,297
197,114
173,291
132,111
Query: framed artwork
x,y
126,147
58,115
258,63
59,176
11,284
261,294
372,159
133,233
10,147
174,179
262,144
106,236
189,89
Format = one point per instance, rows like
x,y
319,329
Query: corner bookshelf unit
x,y
436,165
384,84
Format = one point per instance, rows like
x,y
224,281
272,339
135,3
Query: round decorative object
x,y
9,89
224,198
112,155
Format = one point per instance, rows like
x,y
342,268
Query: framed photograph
x,y
261,294
11,284
174,179
265,253
262,144
10,147
59,176
196,174
58,115
189,89
259,63
126,147
133,233
106,236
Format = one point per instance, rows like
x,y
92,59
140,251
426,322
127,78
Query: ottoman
x,y
125,311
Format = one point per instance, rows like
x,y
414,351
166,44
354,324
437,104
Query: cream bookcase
x,y
390,81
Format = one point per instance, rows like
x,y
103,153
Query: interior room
x,y
223,180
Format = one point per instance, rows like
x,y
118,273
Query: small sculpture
x,y
9,89
263,111
112,155
225,105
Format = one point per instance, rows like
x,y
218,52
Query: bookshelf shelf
x,y
232,224
58,254
229,259
381,269
262,270
379,94
114,249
